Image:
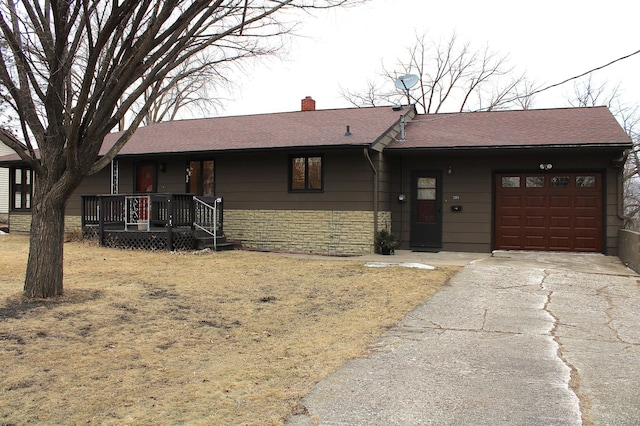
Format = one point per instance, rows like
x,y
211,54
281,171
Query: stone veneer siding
x,y
305,231
21,222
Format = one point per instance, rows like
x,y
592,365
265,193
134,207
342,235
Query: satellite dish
x,y
407,81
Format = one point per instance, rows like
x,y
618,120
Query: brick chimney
x,y
308,104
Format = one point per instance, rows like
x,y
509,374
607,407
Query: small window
x,y
426,203
585,181
21,188
560,182
511,182
535,182
306,173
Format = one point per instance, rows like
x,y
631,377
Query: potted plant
x,y
385,242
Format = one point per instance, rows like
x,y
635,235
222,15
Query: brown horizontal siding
x,y
467,247
94,184
260,181
466,196
470,210
469,224
254,181
472,181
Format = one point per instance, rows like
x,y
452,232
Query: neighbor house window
x,y
21,188
305,173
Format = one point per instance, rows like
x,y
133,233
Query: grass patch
x,y
172,338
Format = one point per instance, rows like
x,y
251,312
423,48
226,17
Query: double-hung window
x,y
21,188
305,173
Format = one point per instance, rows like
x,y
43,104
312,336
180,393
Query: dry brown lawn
x,y
188,338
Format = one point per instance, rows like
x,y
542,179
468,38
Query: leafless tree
x,y
588,93
452,76
71,70
192,91
197,81
373,95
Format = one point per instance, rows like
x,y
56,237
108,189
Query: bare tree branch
x,y
452,76
588,93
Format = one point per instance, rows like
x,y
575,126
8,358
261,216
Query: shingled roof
x,y
318,128
564,127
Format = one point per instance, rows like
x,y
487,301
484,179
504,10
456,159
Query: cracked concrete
x,y
517,338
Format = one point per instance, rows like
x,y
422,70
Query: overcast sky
x,y
550,40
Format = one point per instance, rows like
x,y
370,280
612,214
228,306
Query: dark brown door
x,y
549,211
426,210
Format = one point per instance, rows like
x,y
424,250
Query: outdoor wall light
x,y
546,166
401,198
450,170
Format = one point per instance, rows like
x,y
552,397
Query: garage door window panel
x,y
560,182
535,182
585,181
511,182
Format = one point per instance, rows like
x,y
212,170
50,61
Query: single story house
x,y
324,181
4,185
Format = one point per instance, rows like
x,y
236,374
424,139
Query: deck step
x,y
203,242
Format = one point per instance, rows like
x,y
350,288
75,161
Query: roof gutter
x,y
508,147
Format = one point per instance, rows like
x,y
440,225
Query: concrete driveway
x,y
516,338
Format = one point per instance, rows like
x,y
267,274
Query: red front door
x,y
145,177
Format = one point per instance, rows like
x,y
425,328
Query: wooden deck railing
x,y
142,212
208,217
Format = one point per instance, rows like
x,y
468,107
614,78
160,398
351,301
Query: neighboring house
x,y
4,185
323,181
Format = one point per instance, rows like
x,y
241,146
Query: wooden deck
x,y
154,221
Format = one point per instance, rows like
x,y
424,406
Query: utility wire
x,y
535,92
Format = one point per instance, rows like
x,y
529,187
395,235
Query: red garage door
x,y
549,211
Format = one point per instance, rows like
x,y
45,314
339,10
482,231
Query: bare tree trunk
x,y
44,267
